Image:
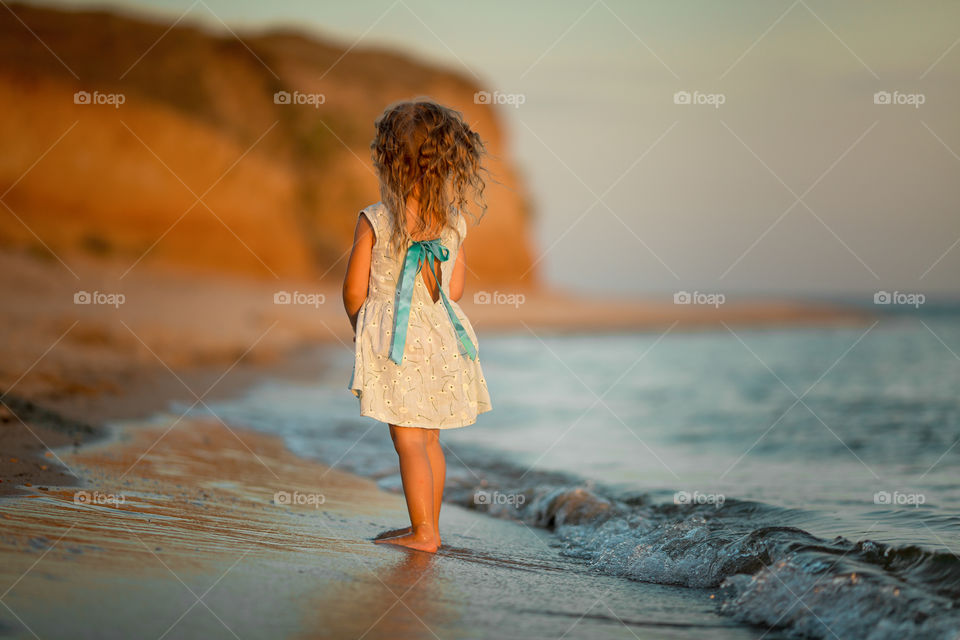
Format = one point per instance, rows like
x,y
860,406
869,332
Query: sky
x,y
784,174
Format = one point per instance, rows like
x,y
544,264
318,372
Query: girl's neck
x,y
413,205
413,219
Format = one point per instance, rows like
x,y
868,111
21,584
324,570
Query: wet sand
x,y
163,513
175,533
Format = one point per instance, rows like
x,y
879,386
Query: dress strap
x,y
418,253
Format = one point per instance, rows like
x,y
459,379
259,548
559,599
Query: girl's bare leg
x,y
417,477
438,465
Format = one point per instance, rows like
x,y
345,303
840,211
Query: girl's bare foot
x,y
421,542
393,533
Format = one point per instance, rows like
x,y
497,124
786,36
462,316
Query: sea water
x,y
809,476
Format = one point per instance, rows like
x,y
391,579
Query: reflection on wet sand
x,y
405,600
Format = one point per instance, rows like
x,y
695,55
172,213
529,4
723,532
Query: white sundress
x,y
437,384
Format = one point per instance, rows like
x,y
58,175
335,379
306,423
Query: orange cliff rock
x,y
199,167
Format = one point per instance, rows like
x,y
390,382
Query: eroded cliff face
x,y
199,167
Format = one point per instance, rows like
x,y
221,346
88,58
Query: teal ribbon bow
x,y
418,253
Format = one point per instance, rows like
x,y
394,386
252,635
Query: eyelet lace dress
x,y
416,360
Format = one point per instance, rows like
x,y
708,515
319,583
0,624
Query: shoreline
x,y
180,335
34,435
177,530
201,495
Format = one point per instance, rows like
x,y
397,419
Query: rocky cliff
x,y
151,144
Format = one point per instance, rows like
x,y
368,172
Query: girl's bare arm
x,y
458,276
357,279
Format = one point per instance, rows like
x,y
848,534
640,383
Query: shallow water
x,y
809,474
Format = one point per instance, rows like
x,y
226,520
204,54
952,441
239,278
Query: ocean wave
x,y
775,576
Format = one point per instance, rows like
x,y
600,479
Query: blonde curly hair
x,y
426,150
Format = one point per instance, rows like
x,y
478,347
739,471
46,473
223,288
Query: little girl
x,y
416,365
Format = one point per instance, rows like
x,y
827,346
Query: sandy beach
x,y
138,522
134,507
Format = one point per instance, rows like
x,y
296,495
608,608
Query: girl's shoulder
x,y
378,215
459,223
376,212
